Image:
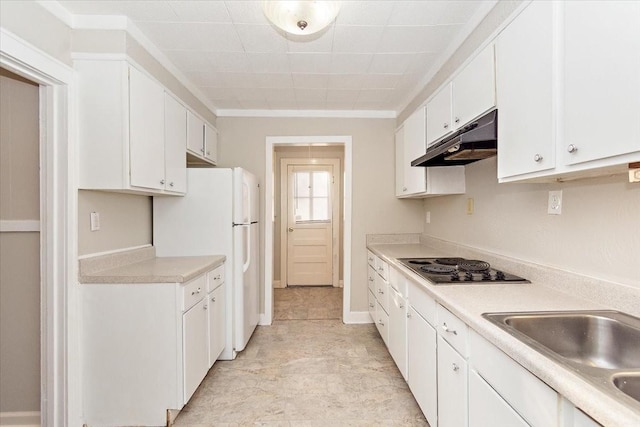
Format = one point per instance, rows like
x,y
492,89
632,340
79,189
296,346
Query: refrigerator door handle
x,y
247,247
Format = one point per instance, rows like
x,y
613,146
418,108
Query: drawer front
x,y
398,282
371,259
382,293
453,330
535,401
422,302
371,278
382,268
193,291
216,277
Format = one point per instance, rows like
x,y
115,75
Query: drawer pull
x,y
204,307
217,277
408,315
196,292
371,279
371,305
456,368
380,291
213,299
380,323
446,329
401,305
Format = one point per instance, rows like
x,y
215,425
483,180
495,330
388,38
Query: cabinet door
x,y
414,147
487,408
421,364
217,323
439,115
601,82
474,89
452,387
210,144
400,165
146,132
526,130
175,145
372,305
195,134
195,347
382,323
398,330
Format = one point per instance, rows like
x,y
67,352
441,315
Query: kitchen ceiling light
x,y
301,17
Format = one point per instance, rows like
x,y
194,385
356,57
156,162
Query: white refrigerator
x,y
218,216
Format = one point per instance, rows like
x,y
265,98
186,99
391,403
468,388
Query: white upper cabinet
x,y
601,81
202,141
175,148
470,93
526,133
420,181
210,143
195,134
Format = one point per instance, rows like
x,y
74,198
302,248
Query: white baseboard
x,y
357,317
277,284
20,419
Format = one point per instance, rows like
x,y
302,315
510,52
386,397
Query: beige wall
x,y
500,12
125,221
285,152
374,206
19,251
597,234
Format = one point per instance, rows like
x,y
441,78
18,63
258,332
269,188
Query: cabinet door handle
x,y
202,150
380,323
404,188
371,279
204,307
195,292
446,329
456,368
213,299
572,148
217,277
457,120
408,315
171,184
537,158
380,291
371,305
446,126
401,305
162,181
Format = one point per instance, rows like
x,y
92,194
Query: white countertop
x,y
469,302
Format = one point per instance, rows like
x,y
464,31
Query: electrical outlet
x,y
554,206
427,217
95,221
470,206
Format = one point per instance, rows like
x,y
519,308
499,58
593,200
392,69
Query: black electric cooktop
x,y
451,271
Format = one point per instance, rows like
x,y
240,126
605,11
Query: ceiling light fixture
x,y
301,17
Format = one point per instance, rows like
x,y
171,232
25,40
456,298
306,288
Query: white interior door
x,y
309,225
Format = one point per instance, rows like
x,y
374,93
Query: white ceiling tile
x,y
254,104
371,105
315,43
136,10
230,62
273,80
344,105
345,81
200,11
246,12
311,95
269,62
356,39
193,36
417,38
380,81
374,95
342,95
188,60
208,78
350,63
310,81
246,94
310,62
278,104
364,13
311,105
239,80
432,12
283,94
390,63
226,103
219,93
260,38
422,62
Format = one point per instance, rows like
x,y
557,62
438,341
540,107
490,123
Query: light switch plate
x,y
95,221
554,206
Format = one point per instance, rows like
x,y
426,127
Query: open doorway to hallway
x,y
308,231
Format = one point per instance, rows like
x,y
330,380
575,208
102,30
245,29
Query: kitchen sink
x,y
602,346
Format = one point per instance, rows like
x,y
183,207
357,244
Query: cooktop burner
x,y
450,271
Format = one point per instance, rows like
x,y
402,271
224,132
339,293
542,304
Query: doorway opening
x,y
307,228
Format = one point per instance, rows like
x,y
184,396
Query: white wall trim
x,y
278,284
357,317
114,251
352,114
19,226
60,394
57,10
271,142
20,419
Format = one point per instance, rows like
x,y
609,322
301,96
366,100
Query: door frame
x,y
270,143
335,209
60,393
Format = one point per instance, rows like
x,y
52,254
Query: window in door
x,y
311,201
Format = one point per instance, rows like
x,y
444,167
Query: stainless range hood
x,y
476,141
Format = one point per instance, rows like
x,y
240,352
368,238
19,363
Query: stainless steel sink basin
x,y
604,339
602,346
629,384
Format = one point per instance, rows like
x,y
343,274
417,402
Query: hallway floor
x,y
307,302
306,373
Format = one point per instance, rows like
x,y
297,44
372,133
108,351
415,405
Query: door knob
x,y
290,229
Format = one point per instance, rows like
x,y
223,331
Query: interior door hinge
x,y
333,179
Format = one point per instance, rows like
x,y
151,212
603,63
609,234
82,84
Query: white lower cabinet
x,y
452,386
398,330
146,347
217,322
487,408
421,364
372,306
382,323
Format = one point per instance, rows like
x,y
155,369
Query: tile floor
x,y
313,302
306,373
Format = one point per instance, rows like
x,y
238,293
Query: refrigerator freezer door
x,y
246,203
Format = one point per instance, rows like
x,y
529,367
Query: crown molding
x,y
341,114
